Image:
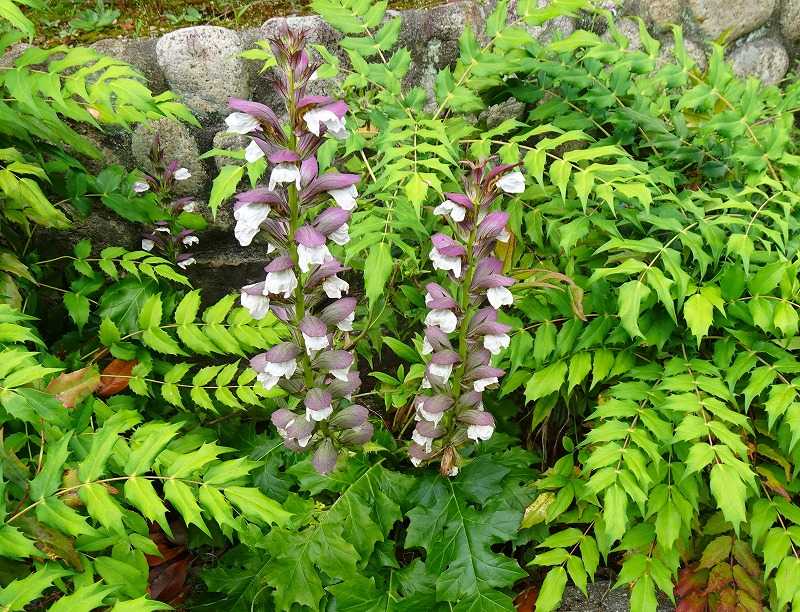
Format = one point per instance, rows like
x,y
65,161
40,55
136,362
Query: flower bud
x,y
356,436
324,459
352,416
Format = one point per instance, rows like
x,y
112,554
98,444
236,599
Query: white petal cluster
x,y
513,182
346,197
241,123
443,262
499,297
457,213
322,116
256,305
309,256
284,173
446,320
496,343
248,220
274,370
284,282
334,287
315,343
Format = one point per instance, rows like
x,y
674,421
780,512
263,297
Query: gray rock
x,y
789,20
693,50
738,17
497,113
179,144
765,59
662,13
14,51
139,53
202,65
431,36
603,598
557,28
229,141
629,28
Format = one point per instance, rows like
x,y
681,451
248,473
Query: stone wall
x,y
202,65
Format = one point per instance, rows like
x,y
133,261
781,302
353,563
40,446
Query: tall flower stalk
x,y
463,332
302,213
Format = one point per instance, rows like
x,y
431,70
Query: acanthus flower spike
x,y
303,276
450,410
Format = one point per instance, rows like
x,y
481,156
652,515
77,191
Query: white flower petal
x,y
248,221
446,320
284,282
346,324
322,116
480,432
513,182
241,123
318,415
253,152
147,244
141,187
284,173
268,381
187,262
457,213
433,417
341,236
256,305
315,343
443,262
182,174
481,384
308,256
427,349
424,441
190,240
495,344
334,287
499,297
441,372
346,197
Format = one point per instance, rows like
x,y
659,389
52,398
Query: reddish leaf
x,y
694,602
73,387
691,579
167,582
743,554
745,582
727,601
719,578
526,601
115,377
